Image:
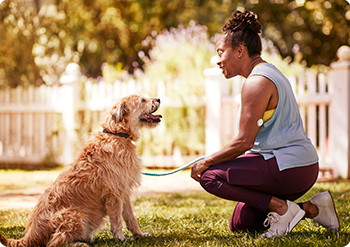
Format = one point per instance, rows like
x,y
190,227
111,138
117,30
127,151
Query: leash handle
x,y
173,171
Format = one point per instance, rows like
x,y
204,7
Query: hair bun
x,y
243,21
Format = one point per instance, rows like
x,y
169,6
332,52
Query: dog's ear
x,y
119,112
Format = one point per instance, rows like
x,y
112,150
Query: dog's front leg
x,y
130,220
114,208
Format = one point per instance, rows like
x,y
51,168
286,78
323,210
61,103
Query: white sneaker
x,y
327,215
283,224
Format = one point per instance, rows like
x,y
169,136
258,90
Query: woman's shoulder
x,y
264,68
271,72
261,74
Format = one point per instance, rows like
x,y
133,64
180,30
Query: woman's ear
x,y
119,112
241,50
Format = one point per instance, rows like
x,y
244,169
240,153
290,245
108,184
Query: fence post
x,y
67,107
216,86
339,136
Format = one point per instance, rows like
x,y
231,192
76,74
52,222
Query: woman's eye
x,y
219,53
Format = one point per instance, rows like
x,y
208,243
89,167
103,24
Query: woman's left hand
x,y
197,170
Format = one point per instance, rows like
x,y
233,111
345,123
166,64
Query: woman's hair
x,y
244,28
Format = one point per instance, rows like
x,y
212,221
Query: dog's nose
x,y
158,100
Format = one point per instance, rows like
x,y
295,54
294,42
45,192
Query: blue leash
x,y
173,171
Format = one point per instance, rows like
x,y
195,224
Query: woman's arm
x,y
258,95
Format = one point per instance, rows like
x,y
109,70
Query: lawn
x,y
199,219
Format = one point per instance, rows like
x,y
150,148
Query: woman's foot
x,y
283,224
327,214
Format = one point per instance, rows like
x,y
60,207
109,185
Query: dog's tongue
x,y
154,117
150,117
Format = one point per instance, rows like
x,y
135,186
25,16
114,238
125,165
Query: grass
x,y
200,219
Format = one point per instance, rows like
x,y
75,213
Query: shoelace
x,y
272,217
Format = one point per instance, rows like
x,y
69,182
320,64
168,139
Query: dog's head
x,y
132,113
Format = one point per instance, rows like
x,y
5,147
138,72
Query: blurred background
x,y
63,63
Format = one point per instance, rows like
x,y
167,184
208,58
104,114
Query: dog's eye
x,y
143,100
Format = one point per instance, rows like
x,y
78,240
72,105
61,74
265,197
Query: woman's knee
x,y
234,227
208,180
237,225
246,218
236,222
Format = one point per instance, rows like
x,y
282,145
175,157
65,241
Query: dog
x,y
100,181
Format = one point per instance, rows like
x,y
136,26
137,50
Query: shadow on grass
x,y
169,239
237,239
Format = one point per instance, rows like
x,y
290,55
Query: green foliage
x,y
32,46
39,40
17,29
181,53
199,219
112,31
313,30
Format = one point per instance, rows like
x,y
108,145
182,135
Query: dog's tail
x,y
3,240
12,242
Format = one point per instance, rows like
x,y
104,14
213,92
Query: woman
x,y
271,162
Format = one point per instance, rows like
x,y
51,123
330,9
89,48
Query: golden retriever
x,y
99,182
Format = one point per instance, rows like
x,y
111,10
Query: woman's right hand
x,y
197,169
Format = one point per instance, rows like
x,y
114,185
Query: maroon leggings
x,y
252,181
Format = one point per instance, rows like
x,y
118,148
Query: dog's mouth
x,y
150,118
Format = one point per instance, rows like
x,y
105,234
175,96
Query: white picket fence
x,y
37,124
28,131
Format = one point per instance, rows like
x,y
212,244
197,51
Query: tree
x,y
18,26
33,45
36,44
112,31
314,29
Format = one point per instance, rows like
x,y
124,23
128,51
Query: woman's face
x,y
228,58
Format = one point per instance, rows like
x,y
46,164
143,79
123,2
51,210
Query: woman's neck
x,y
254,61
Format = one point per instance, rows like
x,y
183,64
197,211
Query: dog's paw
x,y
145,234
121,237
79,244
142,235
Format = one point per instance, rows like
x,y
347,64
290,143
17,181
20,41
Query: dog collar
x,y
124,135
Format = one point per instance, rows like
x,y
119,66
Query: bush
x,y
174,72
